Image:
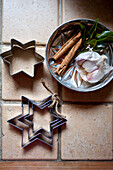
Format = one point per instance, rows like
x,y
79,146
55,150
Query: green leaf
x,y
108,39
104,34
83,31
93,29
93,42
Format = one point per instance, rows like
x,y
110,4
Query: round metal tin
x,y
57,39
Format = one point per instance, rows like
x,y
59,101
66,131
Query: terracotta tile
x,y
11,140
27,20
102,95
73,9
88,132
13,87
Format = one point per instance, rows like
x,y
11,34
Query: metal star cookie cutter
x,y
27,120
27,51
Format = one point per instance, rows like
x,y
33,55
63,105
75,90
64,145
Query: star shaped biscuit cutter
x,y
25,120
22,58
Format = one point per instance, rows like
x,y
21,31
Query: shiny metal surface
x,y
71,79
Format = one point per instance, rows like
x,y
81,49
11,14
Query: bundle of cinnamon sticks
x,y
69,48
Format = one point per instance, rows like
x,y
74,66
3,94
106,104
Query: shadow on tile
x,y
13,87
22,80
40,144
89,9
102,95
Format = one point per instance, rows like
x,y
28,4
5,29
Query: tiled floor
x,y
88,131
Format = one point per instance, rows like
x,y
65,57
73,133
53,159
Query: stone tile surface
x,y
11,140
88,132
73,9
27,20
102,95
13,87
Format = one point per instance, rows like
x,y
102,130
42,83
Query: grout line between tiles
x,y
11,102
59,142
59,93
23,160
88,103
59,12
37,43
9,44
112,131
0,83
1,19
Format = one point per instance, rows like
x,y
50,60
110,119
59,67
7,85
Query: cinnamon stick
x,y
67,46
61,69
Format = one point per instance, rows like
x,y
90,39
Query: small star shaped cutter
x,y
22,58
40,134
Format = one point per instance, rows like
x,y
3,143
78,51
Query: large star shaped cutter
x,y
22,58
25,120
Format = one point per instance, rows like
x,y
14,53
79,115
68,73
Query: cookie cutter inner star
x,y
22,57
